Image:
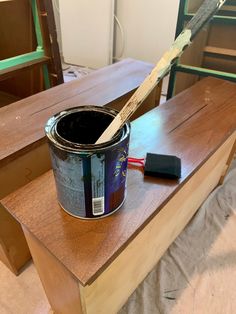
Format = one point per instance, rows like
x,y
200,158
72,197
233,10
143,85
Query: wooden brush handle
x,y
203,15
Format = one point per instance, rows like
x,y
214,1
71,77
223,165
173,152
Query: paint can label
x,y
98,183
98,206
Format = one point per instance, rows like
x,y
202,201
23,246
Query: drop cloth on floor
x,y
197,274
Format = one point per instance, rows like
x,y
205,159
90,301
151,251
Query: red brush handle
x,y
136,160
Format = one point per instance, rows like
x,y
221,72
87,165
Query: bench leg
x,y
14,251
61,287
229,162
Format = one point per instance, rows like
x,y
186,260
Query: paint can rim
x,y
58,141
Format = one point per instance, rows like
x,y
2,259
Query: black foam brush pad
x,y
164,166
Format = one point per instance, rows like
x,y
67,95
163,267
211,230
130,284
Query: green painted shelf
x,y
225,17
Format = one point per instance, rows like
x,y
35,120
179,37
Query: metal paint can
x,y
90,178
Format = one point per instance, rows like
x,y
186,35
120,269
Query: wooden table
x,y
23,149
93,266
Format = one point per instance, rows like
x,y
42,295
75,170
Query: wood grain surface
x,y
115,284
14,250
61,288
191,126
22,123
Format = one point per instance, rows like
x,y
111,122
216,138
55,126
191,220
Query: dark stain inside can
x,y
83,127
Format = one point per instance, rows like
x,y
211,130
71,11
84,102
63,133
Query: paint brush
x,y
202,16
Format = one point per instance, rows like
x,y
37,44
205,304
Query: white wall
x,y
87,28
149,27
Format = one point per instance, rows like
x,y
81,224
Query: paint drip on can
x,y
90,178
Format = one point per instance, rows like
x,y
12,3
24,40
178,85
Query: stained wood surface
x,y
50,43
193,55
9,72
22,123
61,288
14,251
191,126
112,288
217,37
220,52
18,36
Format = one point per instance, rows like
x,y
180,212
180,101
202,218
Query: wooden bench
x,y
23,148
93,266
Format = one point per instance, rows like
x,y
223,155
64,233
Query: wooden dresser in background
x,y
29,53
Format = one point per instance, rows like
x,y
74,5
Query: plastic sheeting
x,y
197,274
